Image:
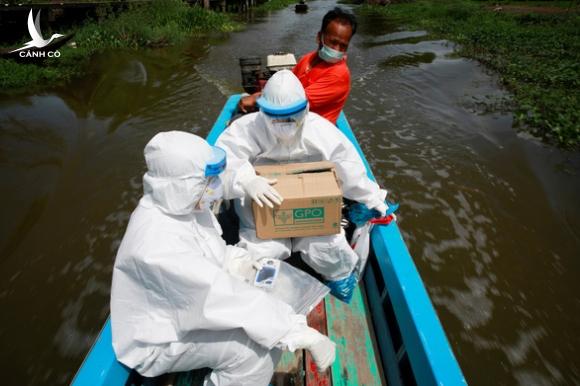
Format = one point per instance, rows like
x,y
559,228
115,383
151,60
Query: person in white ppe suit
x,y
176,301
284,131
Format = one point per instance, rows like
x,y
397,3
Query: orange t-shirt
x,y
327,85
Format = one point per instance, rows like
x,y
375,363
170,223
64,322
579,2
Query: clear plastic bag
x,y
295,288
360,243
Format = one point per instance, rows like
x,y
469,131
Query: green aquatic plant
x,y
536,54
273,5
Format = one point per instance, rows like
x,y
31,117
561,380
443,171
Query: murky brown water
x,y
490,216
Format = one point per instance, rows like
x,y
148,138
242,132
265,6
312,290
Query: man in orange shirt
x,y
324,73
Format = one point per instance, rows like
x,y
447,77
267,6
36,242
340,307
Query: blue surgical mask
x,y
328,54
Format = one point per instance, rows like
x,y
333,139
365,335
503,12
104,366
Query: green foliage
x,y
537,56
159,23
12,74
272,5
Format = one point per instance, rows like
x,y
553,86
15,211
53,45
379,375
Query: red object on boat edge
x,y
383,220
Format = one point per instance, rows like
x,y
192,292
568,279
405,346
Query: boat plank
x,y
356,360
290,369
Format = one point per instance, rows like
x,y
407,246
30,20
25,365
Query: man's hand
x,y
248,104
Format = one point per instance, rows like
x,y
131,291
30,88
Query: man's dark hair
x,y
340,15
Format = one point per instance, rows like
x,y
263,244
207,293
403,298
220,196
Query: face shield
x,y
283,122
217,162
213,190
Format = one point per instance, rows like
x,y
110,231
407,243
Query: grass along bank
x,y
155,24
273,5
536,54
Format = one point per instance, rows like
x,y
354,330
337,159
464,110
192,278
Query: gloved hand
x,y
261,191
323,350
243,267
382,208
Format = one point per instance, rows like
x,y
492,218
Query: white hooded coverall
x,y
173,305
248,141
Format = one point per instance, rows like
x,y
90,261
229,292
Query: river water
x,y
490,215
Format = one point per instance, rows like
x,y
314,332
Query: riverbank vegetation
x,y
155,24
273,5
535,49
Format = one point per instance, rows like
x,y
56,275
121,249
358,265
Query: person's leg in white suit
x,y
331,256
234,358
274,249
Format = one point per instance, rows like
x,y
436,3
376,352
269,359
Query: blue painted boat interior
x,y
412,343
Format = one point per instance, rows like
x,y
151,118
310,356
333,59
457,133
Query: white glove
x,y
301,336
243,267
382,205
323,352
382,208
261,191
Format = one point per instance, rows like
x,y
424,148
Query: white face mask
x,y
328,54
213,192
285,129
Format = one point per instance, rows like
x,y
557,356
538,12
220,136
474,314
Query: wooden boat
x,y
389,334
301,7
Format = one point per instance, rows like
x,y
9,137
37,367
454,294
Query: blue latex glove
x,y
359,214
343,289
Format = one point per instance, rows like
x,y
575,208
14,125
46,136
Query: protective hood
x,y
178,164
283,105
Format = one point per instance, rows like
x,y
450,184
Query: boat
x,y
301,7
388,334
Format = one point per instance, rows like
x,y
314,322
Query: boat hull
x,y
413,348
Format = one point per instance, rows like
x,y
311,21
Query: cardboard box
x,y
312,203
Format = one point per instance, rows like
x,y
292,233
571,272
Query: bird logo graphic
x,y
34,30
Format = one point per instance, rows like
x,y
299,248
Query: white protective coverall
x,y
174,306
249,140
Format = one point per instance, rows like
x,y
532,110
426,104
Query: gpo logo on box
x,y
308,213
